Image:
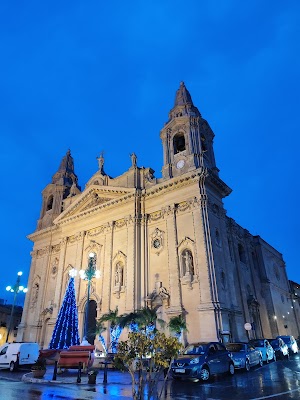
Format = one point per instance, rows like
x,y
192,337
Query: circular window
x,y
156,243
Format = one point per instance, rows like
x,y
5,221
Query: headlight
x,y
194,360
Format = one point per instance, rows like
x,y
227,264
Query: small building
x,y
5,315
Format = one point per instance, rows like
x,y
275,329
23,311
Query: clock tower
x,y
187,138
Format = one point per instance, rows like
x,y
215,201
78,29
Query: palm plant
x,y
100,328
145,319
115,329
177,325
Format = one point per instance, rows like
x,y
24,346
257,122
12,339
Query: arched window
x,y
187,262
242,253
50,203
218,240
203,143
179,143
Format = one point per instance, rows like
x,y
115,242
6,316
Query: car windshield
x,y
195,349
257,343
286,339
235,347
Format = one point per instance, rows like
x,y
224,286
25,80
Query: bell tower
x,y
64,184
187,138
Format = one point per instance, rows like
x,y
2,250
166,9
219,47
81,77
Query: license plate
x,y
180,370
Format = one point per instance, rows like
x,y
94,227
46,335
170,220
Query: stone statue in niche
x,y
35,294
187,262
119,275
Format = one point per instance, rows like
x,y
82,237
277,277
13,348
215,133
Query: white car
x,y
12,355
290,342
266,349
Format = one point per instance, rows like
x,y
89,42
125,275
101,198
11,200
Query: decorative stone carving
x,y
35,292
119,265
186,249
93,247
56,248
157,241
54,267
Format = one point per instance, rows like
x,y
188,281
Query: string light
x,y
65,333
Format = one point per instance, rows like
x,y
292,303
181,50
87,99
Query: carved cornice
x,y
219,184
106,228
69,215
170,209
76,238
43,233
174,183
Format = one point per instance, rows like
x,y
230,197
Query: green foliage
x,y
177,324
100,328
112,316
143,318
145,358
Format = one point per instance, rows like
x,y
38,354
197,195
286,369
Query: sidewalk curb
x,y
29,379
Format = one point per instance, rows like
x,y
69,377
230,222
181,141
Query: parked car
x,y
201,360
244,355
12,355
280,348
266,349
290,342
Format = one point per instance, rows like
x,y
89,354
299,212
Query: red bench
x,y
76,354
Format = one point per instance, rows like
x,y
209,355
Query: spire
x,y
65,174
183,105
183,96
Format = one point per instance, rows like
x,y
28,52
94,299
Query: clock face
x,y
180,164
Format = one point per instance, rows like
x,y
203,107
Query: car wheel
x,y
12,366
261,363
204,374
267,359
231,369
247,365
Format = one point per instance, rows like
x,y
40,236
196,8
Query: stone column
x,y
131,298
21,336
59,279
173,261
106,274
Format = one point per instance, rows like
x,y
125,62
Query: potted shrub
x,y
38,369
92,374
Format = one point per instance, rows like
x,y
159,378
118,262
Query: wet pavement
x,y
275,381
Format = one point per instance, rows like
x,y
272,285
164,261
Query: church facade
x,y
164,242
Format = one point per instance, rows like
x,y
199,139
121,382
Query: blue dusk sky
x,y
98,76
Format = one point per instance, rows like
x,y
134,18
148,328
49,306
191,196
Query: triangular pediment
x,y
93,198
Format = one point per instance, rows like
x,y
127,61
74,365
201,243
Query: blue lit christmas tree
x,y
65,333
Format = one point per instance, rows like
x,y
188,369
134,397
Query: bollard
x,y
55,371
105,372
79,372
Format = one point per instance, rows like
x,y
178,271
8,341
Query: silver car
x,y
290,342
266,349
244,355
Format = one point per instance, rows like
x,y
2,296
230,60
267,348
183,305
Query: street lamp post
x,y
88,274
14,289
